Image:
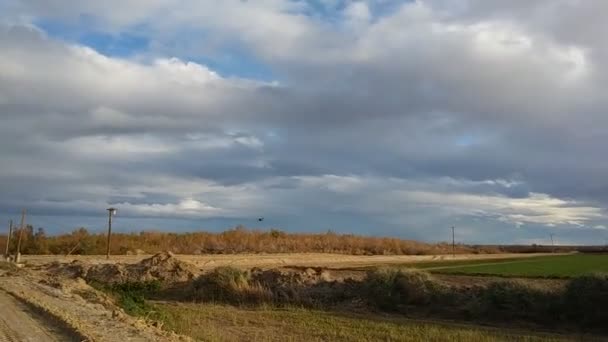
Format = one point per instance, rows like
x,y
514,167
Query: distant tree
x,y
40,243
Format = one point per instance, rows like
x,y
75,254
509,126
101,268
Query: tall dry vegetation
x,y
237,240
580,304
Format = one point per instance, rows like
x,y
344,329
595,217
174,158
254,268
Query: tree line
x,y
236,240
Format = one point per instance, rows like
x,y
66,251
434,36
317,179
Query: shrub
x,y
229,284
586,300
131,296
515,300
391,289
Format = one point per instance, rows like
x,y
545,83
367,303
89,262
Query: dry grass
x,y
212,322
238,240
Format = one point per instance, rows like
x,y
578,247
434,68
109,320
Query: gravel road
x,y
20,324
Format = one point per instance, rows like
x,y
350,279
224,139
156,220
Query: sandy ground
x,y
92,319
18,323
278,260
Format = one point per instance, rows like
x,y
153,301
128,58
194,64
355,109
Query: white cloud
x,y
535,209
482,112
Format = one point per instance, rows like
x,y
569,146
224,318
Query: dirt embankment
x,y
60,291
164,267
20,322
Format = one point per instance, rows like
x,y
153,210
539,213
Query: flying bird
x,y
260,219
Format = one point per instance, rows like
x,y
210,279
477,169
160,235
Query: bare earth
x,y
277,260
91,319
18,323
91,316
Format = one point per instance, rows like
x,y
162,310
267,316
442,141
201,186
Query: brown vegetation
x,y
578,305
238,240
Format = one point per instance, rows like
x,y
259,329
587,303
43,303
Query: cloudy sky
x,y
377,117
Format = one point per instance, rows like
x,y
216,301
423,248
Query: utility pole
x,y
453,244
8,238
21,227
111,212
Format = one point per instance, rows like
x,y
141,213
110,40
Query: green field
x,y
559,266
213,322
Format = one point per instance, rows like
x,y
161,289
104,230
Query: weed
x,y
586,300
391,289
229,284
131,296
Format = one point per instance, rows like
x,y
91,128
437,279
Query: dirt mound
x,y
164,267
74,269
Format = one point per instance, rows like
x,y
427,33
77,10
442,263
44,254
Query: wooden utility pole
x,y
453,244
111,212
8,238
21,227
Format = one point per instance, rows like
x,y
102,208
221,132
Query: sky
x,y
374,117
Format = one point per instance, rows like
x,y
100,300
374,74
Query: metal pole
x,y
109,233
18,257
8,238
453,244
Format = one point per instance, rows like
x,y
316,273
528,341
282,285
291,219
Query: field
x,y
214,322
248,260
560,266
334,297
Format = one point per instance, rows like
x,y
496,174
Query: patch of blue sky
x,y
226,60
236,63
82,31
385,8
120,45
326,10
332,11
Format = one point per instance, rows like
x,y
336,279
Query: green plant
x,y
131,296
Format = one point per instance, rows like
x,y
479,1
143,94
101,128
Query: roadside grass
x,y
221,322
131,296
560,266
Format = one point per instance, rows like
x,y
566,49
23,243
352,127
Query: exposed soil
x,y
247,261
18,322
164,267
87,312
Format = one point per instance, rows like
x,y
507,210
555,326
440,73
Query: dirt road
x,y
20,324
